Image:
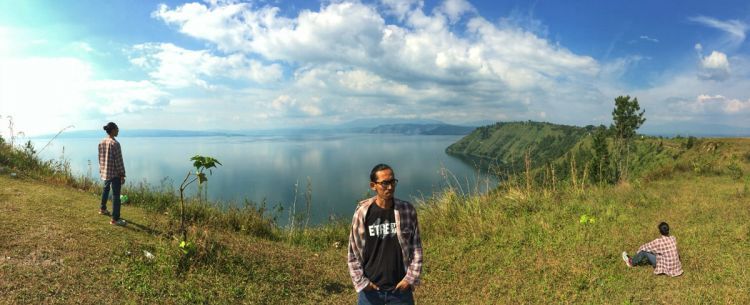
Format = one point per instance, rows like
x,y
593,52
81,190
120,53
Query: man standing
x,y
660,253
385,250
112,171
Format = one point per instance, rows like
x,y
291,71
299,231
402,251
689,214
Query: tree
x,y
627,117
601,155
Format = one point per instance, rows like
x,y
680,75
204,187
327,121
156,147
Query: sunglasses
x,y
386,183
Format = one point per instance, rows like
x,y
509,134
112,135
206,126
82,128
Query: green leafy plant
x,y
187,247
735,171
201,164
586,219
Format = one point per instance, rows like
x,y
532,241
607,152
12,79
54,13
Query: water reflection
x,y
267,167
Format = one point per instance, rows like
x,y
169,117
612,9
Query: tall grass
x,y
248,218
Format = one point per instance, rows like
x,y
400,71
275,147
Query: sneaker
x,y
118,222
104,212
626,259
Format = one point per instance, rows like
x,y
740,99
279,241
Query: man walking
x,y
112,171
385,250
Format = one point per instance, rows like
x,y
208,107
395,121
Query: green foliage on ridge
x,y
508,142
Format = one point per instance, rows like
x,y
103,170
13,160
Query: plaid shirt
x,y
407,231
667,258
110,159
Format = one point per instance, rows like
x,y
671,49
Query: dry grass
x,y
56,249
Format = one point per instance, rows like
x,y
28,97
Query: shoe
x,y
626,259
104,212
118,222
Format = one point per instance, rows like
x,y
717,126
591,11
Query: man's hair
x,y
664,229
377,168
110,127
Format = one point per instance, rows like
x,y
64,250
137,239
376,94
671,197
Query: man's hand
x,y
371,287
403,285
122,180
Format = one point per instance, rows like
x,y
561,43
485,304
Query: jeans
x,y
641,255
382,297
115,183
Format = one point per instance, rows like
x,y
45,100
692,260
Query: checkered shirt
x,y
407,231
110,159
667,258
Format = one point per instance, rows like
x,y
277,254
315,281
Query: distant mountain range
x,y
397,126
423,129
378,125
141,133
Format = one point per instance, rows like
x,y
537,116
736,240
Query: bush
x,y
734,170
701,166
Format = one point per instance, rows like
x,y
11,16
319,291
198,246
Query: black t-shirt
x,y
383,259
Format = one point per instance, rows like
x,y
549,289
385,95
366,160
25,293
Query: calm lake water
x,y
268,167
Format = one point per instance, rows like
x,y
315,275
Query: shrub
x,y
734,170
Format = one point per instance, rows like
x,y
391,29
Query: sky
x,y
233,65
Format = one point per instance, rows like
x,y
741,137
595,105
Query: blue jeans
x,y
115,183
382,297
641,255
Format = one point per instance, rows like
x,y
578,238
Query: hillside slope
x,y
507,143
56,249
513,245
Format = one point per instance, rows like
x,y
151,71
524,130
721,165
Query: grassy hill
x,y
507,143
512,245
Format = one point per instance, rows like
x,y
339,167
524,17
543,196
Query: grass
x,y
513,245
67,253
513,249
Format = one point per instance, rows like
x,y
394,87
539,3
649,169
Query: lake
x,y
268,167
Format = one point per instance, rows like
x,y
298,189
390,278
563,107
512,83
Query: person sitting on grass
x,y
660,253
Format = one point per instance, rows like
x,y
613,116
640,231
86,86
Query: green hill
x,y
507,143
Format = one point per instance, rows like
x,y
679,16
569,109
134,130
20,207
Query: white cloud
x,y
715,66
222,23
287,106
176,67
683,97
401,8
646,38
734,29
455,9
113,97
44,94
42,91
705,104
355,34
348,56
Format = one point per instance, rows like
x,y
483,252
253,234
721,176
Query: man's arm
x,y
120,164
414,270
356,270
651,246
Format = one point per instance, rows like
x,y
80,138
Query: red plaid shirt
x,y
407,231
667,258
110,159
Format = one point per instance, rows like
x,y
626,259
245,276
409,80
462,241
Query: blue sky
x,y
279,64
